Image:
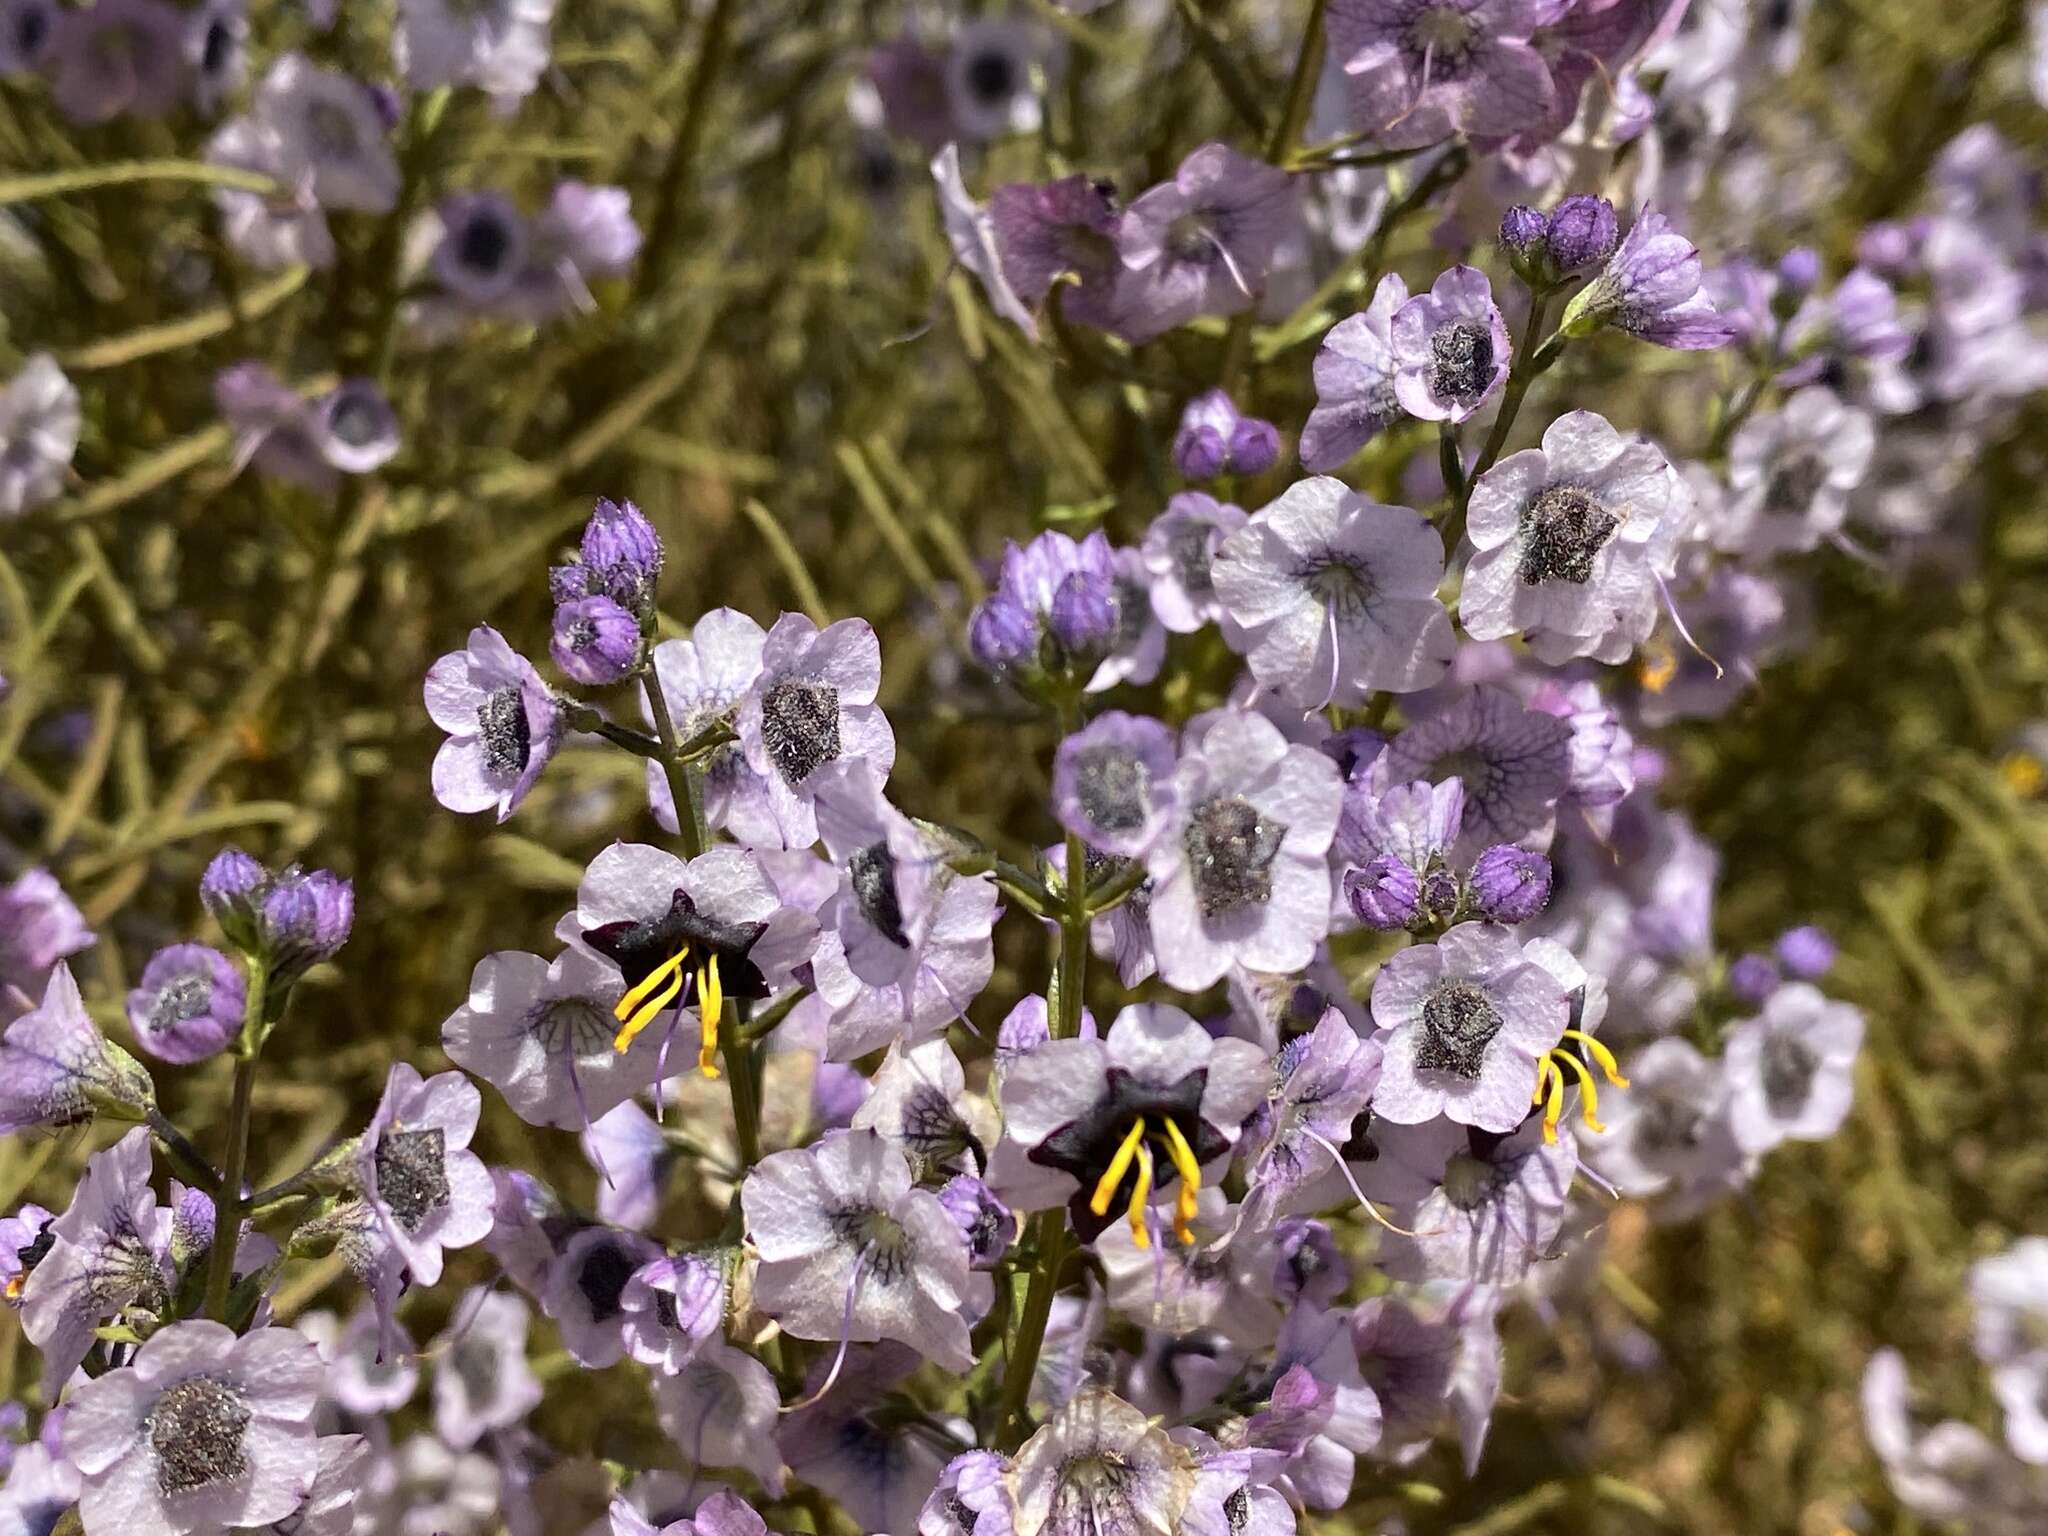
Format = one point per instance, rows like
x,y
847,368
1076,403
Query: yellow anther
x,y
1554,1110
710,1009
1190,1172
2023,773
1657,665
649,984
650,1007
1141,1239
1544,1067
1609,1067
1589,1105
1105,1191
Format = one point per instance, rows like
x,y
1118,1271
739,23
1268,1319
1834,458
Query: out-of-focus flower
x,y
1790,1069
39,926
28,32
1354,378
39,423
1790,472
500,46
1650,288
988,79
1422,69
1202,243
118,58
481,1379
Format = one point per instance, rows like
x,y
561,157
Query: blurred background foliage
x,y
816,414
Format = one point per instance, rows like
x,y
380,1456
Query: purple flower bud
x,y
1753,977
305,918
1583,234
983,1220
189,1004
1510,884
568,582
1806,952
1254,446
1441,894
1084,615
1799,270
1386,894
1522,229
232,889
595,641
1003,634
1200,453
1889,247
624,555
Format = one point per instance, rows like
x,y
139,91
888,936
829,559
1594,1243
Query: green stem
x,y
682,155
1049,1236
740,1066
24,189
1529,360
228,1205
684,783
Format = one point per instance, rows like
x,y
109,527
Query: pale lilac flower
x,y
1650,288
1044,231
879,1473
1179,551
1742,619
1602,770
1354,379
703,679
1513,762
2009,1300
1495,1206
2021,1387
202,1429
1790,1070
500,46
39,423
540,1032
988,1225
1407,1356
330,135
971,231
1790,472
672,1307
988,82
1469,1015
851,1250
423,1487
39,926
414,1166
1669,1134
1137,640
1572,538
216,50
919,1103
355,427
1450,347
1336,594
1423,69
116,58
57,1069
189,1004
972,1498
1240,875
371,1364
270,230
481,1379
720,1410
1202,243
1321,1083
635,1158
723,1513
585,1288
1112,783
274,427
814,703
503,725
1100,1465
483,246
42,1485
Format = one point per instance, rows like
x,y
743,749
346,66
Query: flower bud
x,y
1201,453
1084,615
1753,977
595,641
1522,229
983,1220
1003,633
306,917
1806,952
1799,270
1510,884
1215,438
624,557
188,1005
232,889
1386,894
1254,446
1583,234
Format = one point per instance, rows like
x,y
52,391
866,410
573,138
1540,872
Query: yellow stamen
x,y
1657,665
1589,1105
710,1009
1190,1173
15,1285
1609,1067
1141,1239
2023,773
1119,1165
652,982
1554,1110
651,1009
1544,1067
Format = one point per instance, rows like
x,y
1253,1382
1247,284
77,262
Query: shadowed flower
x,y
189,1004
673,1306
1494,1208
720,1410
988,69
481,1379
1354,378
503,725
585,1291
39,926
39,422
1100,1465
1422,69
920,1104
415,1169
118,57
1791,1069
1790,472
331,136
57,1069
1202,243
1669,1135
972,232
1112,783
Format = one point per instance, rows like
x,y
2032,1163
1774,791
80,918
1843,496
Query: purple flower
x,y
720,1410
1202,243
28,30
118,57
1112,783
622,560
429,1192
189,1005
202,1429
1790,1070
502,721
1385,894
1019,630
910,80
1215,438
305,917
1753,977
984,1221
1062,1482
1416,824
703,679
1044,231
972,232
1494,1208
1157,1103
481,1379
1582,234
1806,952
275,430
23,1246
850,1249
595,641
1742,619
1308,1266
42,1484
268,230
1790,472
39,926
1650,288
1450,347
1469,1015
584,1291
39,422
541,1031
988,79
972,1498
1322,1082
109,1250
500,46
1669,1134
483,246
1240,875
330,136
1354,378
672,1307
1510,884
919,1103
1512,762
814,703
1179,551
1336,595
1572,538
57,1069
1422,69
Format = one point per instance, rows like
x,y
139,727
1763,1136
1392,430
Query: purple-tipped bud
x,y
189,1003
1201,452
1753,977
1254,446
1386,894
1806,952
1583,234
624,555
306,918
595,641
1003,634
1522,229
1799,270
1510,884
232,889
1084,615
983,1220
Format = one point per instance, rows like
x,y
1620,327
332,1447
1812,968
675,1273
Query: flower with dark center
x,y
500,46
332,137
1420,70
585,1288
1512,762
1112,783
118,58
813,704
1669,1136
1179,551
920,1103
1791,472
1458,1023
483,246
1202,243
1100,1465
1493,1206
673,1307
872,872
800,727
1562,529
414,1166
412,1176
1230,850
1450,347
1791,1069
1354,378
719,1409
988,79
355,427
503,724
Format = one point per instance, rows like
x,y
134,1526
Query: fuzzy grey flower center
x,y
1788,1065
1237,1509
1563,529
885,1247
872,872
1110,783
1230,850
501,727
1459,1021
185,997
1461,361
1470,1182
1670,1123
412,1175
1795,481
800,727
196,1432
485,242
